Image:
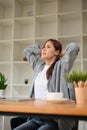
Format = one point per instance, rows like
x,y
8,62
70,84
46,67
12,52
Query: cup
x,y
54,96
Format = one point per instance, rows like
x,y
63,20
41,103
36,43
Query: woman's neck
x,y
49,62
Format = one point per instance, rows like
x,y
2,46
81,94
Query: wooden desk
x,y
50,109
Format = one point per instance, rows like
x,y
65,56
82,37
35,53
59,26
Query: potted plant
x,y
79,80
26,81
3,85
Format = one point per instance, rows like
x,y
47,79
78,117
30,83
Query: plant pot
x,y
81,95
2,93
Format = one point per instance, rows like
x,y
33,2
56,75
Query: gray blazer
x,y
57,81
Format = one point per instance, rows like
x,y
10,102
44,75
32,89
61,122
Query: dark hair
x,y
58,46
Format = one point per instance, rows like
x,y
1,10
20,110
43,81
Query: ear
x,y
57,52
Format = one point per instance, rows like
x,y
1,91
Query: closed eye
x,y
47,46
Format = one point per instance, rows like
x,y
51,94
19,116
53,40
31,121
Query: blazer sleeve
x,y
32,54
70,55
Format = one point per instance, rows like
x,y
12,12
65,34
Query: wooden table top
x,y
44,107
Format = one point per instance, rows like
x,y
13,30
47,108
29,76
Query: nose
x,y
44,49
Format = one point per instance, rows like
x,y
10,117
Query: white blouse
x,y
41,84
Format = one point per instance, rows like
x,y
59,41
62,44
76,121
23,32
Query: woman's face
x,y
49,52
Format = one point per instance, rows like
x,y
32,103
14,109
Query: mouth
x,y
43,53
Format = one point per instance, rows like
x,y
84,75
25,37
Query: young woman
x,y
50,64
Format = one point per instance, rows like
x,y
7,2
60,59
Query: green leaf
x,y
3,81
76,76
